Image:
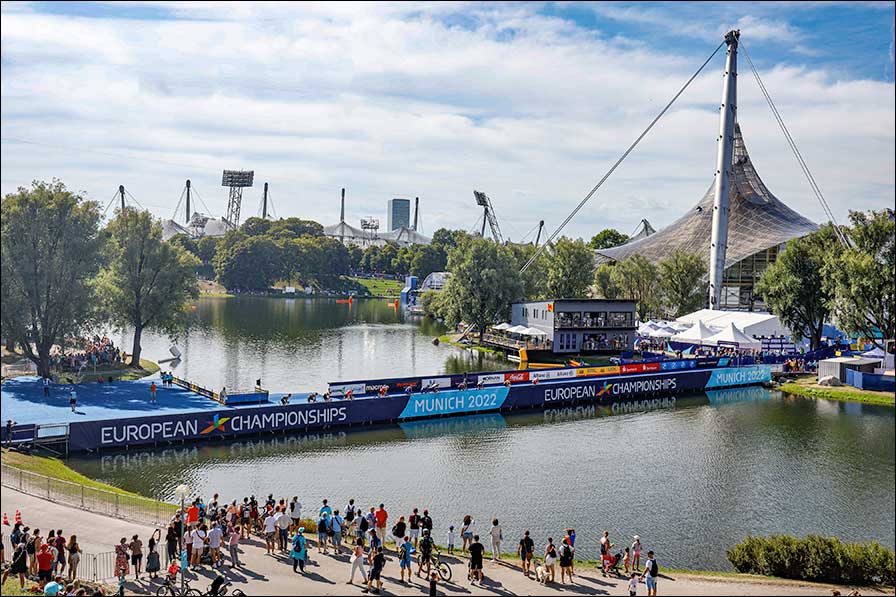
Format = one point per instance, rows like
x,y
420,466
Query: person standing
x,y
18,566
414,527
526,550
426,522
295,512
451,538
651,572
381,518
172,538
45,561
61,559
404,557
337,525
153,563
565,561
605,552
73,399
357,561
497,538
283,523
350,511
270,533
121,558
466,532
136,548
477,551
233,541
215,534
550,558
399,532
200,538
46,383
636,553
325,509
152,391
74,557
425,545
299,551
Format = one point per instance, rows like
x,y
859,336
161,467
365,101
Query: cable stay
x,y
796,152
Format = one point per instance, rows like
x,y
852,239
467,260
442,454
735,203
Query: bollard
x,y
116,505
48,487
82,496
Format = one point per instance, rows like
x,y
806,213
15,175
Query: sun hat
x,y
637,537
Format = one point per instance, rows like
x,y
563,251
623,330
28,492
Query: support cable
x,y
612,169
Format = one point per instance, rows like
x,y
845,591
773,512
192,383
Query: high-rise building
x,y
398,214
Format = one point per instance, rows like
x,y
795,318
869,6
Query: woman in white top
x,y
497,537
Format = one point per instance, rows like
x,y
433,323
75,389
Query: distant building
x,y
579,326
200,225
398,214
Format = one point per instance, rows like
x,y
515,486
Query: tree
x,y
607,238
49,248
484,282
249,263
255,226
861,280
355,255
427,259
294,228
793,287
448,239
636,278
569,268
682,280
147,283
603,281
535,278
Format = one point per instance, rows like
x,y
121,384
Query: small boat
x,y
349,300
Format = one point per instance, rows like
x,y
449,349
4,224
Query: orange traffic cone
x,y
18,517
5,519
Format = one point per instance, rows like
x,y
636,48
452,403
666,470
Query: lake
x,y
692,475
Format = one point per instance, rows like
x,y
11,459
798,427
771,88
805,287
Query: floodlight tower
x,y
371,226
488,216
237,180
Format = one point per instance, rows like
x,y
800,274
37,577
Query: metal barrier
x,y
93,567
132,508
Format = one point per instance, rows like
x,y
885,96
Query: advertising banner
x,y
454,402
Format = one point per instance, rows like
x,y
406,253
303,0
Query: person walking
x,y
234,533
358,558
136,549
121,558
565,561
526,550
550,559
73,399
153,561
18,565
651,572
497,537
404,557
377,563
466,532
299,551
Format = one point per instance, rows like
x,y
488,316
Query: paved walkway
x,y
327,574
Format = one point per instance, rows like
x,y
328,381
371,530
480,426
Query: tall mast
x,y
416,209
264,203
121,192
722,197
188,201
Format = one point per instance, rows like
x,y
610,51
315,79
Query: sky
x,y
530,103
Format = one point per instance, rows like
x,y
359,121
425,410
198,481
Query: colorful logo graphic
x,y
216,423
605,389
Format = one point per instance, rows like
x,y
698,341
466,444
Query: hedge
x,y
815,558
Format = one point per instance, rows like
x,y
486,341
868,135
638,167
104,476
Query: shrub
x,y
815,558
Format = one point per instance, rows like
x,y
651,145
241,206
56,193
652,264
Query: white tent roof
x,y
698,334
501,326
731,334
752,323
663,333
517,329
535,332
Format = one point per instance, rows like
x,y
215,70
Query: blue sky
x,y
530,102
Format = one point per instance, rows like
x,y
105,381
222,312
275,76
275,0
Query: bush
x,y
815,558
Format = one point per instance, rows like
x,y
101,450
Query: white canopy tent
x,y
664,332
731,335
517,329
698,334
752,323
501,326
534,332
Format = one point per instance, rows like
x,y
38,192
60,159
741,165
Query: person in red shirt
x,y
193,515
44,564
381,517
152,392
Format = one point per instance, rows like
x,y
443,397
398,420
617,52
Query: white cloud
x,y
414,100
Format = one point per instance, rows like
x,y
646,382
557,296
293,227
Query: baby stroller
x,y
611,563
218,588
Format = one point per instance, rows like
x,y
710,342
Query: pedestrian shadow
x,y
597,581
317,578
573,588
493,586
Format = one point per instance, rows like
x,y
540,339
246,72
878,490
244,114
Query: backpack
x,y
322,526
402,553
364,524
654,569
350,514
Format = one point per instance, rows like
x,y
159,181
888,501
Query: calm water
x,y
691,475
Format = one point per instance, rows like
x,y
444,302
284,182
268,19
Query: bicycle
x,y
436,563
171,587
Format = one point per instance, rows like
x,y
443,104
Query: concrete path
x,y
327,574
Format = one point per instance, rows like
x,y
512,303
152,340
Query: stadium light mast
x,y
722,197
237,180
188,202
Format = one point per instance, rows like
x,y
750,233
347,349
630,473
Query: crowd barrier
x,y
870,381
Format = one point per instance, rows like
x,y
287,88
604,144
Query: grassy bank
x,y
379,288
122,373
56,468
452,340
805,385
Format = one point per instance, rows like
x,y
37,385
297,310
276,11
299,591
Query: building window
x,y
620,319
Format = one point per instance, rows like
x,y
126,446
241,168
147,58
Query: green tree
x,y
294,228
607,238
862,278
569,268
147,283
49,249
793,287
427,259
683,284
448,239
484,282
249,263
355,257
603,281
637,278
535,278
256,226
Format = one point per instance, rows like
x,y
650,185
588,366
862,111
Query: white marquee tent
x,y
752,323
697,334
731,335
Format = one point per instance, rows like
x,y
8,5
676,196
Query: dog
x,y
542,574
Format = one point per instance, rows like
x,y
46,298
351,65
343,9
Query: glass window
x,y
620,319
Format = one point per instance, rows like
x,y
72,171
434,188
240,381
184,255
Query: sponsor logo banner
x,y
442,382
677,365
517,376
343,389
552,374
454,401
491,378
739,376
591,371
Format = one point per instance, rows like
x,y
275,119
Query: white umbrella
x,y
501,326
517,329
535,332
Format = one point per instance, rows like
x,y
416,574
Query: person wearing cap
x,y
651,572
299,552
636,552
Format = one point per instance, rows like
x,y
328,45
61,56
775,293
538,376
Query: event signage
x,y
739,376
454,402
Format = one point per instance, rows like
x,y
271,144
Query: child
x,y
451,540
632,583
626,561
433,581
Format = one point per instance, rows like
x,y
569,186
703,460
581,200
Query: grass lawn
x,y
122,373
805,385
379,287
